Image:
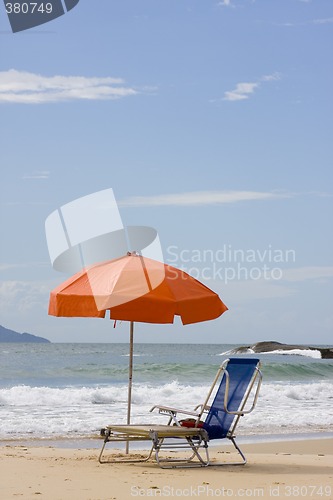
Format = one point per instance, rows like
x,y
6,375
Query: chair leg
x,y
101,453
243,462
172,463
133,460
232,439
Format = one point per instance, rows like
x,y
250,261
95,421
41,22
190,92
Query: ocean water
x,y
56,391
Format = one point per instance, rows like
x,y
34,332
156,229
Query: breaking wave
x,y
32,412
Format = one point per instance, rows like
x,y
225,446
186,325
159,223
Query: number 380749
x,y
28,8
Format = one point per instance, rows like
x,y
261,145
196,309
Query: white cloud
x,y
244,291
23,296
327,20
324,20
237,291
319,273
6,267
23,265
245,89
197,198
273,77
30,88
18,203
225,3
242,91
40,174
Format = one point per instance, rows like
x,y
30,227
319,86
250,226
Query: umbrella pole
x,y
130,376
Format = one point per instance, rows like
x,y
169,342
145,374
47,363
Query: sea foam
x,y
35,412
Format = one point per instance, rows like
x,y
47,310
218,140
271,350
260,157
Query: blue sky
x,y
211,121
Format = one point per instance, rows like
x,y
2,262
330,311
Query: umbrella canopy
x,y
135,288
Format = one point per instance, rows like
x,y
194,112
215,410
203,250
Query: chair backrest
x,y
237,381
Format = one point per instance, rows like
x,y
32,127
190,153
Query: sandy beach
x,y
276,469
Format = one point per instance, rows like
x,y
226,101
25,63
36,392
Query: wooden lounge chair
x,y
234,393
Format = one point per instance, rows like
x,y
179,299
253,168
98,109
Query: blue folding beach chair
x,y
236,380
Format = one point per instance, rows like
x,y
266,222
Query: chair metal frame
x,y
174,436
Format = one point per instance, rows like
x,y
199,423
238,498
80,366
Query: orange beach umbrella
x,y
135,288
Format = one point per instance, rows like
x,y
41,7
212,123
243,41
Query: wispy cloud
x,y
248,290
23,265
23,203
197,198
327,20
271,78
23,296
318,273
30,88
40,174
225,3
243,90
324,20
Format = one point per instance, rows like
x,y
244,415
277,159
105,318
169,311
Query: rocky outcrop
x,y
269,346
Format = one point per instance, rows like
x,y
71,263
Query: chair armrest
x,y
168,410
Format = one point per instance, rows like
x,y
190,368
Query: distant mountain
x,y
7,335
